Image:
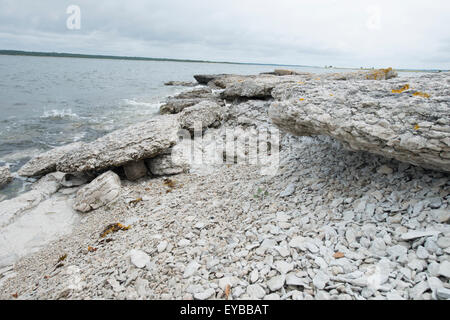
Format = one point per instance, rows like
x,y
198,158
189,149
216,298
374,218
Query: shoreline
x,y
331,224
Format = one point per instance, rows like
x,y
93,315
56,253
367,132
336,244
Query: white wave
x,y
79,136
133,102
59,114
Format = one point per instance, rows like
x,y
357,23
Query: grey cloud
x,y
287,31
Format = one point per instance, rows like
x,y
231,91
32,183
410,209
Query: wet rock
x,y
135,170
101,191
5,176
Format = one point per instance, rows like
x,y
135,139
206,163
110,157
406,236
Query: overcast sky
x,y
347,33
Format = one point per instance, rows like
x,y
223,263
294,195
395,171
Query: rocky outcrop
x,y
256,88
5,176
205,114
205,78
173,105
46,162
201,92
408,121
101,191
187,99
376,74
140,141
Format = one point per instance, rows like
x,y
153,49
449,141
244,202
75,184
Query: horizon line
x,y
138,58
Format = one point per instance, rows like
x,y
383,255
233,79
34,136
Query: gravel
x,y
330,224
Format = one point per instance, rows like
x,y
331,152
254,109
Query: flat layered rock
x,y
404,118
195,93
140,141
173,106
5,176
177,105
254,88
46,162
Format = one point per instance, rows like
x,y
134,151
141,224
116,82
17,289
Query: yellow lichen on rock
x,y
380,74
421,94
404,88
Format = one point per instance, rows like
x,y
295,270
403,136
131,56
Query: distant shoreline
x,y
111,57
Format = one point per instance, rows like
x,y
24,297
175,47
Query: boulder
x,y
404,118
46,162
205,114
140,141
5,176
101,191
135,170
